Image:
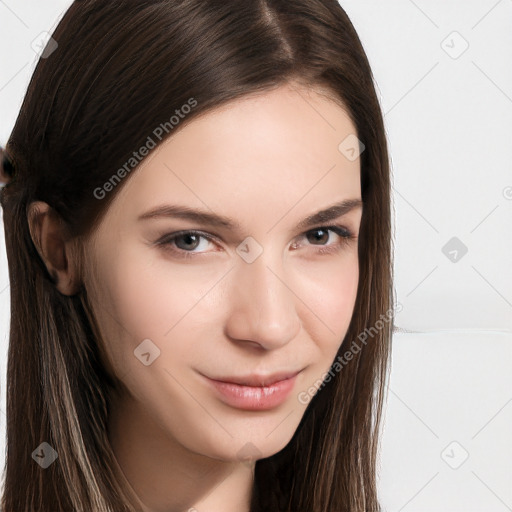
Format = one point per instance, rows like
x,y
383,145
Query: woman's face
x,y
260,292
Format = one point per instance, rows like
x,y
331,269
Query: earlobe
x,y
52,242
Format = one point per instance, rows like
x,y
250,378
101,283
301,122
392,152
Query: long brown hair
x,y
121,69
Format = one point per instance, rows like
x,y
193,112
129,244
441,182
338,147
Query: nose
x,y
262,311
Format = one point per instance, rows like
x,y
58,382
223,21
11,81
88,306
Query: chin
x,y
248,448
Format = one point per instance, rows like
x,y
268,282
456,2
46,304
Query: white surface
x,y
449,397
449,124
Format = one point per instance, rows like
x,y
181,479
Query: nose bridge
x,y
264,307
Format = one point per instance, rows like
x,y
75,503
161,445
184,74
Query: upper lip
x,y
258,379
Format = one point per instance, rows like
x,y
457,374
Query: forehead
x,y
256,156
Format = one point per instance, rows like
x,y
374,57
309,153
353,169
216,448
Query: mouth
x,y
254,392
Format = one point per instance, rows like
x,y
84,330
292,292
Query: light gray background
x,y
447,442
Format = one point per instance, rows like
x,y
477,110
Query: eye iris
x,y
319,238
188,236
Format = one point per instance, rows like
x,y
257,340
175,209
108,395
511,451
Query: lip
x,y
254,392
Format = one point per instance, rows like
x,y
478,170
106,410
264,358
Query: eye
x,y
183,243
321,234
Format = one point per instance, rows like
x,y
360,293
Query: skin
x,y
266,161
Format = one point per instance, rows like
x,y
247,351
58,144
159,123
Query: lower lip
x,y
253,398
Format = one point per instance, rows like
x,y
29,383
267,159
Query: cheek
x,y
152,298
328,289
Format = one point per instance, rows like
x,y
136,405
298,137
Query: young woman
x,y
198,232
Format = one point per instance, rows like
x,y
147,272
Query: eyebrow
x,y
220,221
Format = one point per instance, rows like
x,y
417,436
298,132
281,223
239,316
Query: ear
x,y
49,234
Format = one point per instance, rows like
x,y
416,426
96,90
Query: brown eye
x,y
314,237
326,242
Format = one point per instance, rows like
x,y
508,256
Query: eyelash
x,y
345,237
